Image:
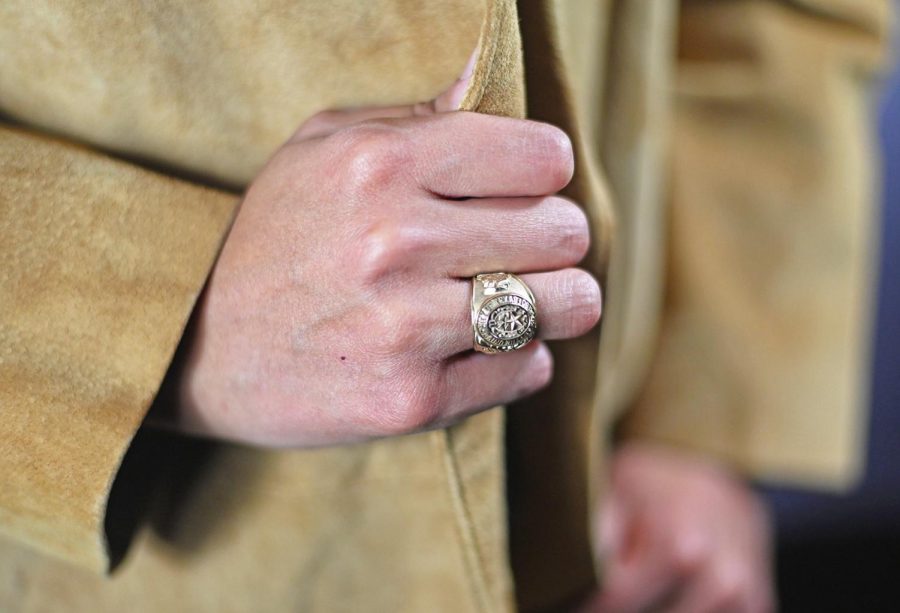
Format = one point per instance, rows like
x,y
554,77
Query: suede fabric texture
x,y
763,354
736,313
94,302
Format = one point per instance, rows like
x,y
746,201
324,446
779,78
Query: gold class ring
x,y
504,314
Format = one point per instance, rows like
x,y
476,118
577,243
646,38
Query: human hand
x,y
681,535
338,310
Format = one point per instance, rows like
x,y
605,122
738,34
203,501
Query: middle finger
x,y
523,234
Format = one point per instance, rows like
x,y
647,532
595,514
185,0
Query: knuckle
x,y
541,369
556,154
372,156
584,295
386,248
410,407
573,232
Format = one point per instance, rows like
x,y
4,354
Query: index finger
x,y
471,155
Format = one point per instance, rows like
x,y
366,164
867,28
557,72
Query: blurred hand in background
x,y
681,534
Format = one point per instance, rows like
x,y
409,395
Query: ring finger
x,y
568,304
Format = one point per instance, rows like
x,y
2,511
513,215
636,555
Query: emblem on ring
x,y
504,317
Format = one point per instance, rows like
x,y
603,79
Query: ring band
x,y
504,314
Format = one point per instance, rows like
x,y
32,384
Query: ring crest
x,y
504,316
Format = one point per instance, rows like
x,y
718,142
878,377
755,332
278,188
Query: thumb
x,y
450,98
327,122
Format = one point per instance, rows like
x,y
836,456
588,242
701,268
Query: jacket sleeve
x,y
764,346
102,262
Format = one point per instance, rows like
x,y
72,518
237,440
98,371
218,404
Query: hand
x,y
681,535
338,310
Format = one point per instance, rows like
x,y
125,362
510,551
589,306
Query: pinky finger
x,y
476,381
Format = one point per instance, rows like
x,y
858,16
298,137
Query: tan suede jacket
x,y
724,162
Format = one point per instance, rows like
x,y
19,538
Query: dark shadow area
x,y
852,575
147,465
185,489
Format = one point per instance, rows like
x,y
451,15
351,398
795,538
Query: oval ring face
x,y
506,322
